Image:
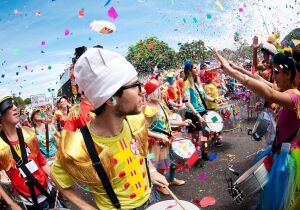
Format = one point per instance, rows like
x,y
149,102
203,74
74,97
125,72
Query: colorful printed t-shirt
x,y
18,181
194,96
160,121
131,184
41,137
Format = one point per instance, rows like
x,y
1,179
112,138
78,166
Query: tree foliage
x,y
151,52
20,102
194,51
27,101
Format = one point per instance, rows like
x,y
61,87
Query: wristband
x,y
152,170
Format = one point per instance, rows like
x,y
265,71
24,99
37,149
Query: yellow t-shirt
x,y
212,91
131,184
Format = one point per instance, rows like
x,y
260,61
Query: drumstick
x,y
175,198
193,125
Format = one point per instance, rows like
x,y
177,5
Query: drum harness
x,y
89,143
31,181
234,191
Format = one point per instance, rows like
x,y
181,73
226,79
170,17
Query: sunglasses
x,y
137,83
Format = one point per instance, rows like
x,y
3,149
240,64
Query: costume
x,y
79,115
60,117
122,156
158,122
41,137
283,188
8,164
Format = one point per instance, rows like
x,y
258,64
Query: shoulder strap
x,y
47,139
167,119
202,99
31,181
99,167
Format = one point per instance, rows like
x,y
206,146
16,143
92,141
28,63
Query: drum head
x,y
183,148
4,178
214,121
172,205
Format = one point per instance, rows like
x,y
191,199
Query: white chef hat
x,y
100,73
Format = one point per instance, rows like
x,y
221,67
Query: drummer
x,y
173,95
159,131
194,98
279,195
212,91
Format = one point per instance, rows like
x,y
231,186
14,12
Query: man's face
x,y
11,116
131,101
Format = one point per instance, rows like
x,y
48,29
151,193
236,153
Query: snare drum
x,y
181,150
251,182
172,205
4,178
214,121
261,126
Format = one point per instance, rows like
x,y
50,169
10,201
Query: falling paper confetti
x,y
195,20
208,16
241,9
67,32
49,67
17,12
218,4
43,43
112,13
38,13
107,3
81,13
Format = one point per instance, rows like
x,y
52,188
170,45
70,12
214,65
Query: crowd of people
x,y
123,138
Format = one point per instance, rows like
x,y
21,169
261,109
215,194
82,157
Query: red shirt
x,y
76,121
18,181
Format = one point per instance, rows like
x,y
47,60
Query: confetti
x,y
213,156
112,13
241,9
43,43
17,12
49,67
81,13
195,20
207,201
38,13
208,16
67,32
218,4
202,176
107,3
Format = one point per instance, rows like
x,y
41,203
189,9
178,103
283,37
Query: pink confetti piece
x,y
38,13
207,201
202,176
17,12
241,9
67,32
81,13
171,206
43,43
112,13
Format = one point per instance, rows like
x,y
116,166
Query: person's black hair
x,y
287,64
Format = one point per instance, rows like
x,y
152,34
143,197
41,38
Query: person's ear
x,y
114,101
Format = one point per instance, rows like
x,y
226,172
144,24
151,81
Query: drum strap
x,y
202,99
89,143
47,139
31,181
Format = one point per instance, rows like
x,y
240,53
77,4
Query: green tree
x,y
146,54
19,101
27,101
194,51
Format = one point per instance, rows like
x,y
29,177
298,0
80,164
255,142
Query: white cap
x,y
269,47
100,73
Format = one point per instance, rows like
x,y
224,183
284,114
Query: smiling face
x,y
282,79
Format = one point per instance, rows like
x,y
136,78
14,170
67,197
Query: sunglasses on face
x,y
137,83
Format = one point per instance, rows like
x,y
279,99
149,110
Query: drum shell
x,y
176,159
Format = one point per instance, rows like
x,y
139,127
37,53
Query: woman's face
x,y
282,79
37,117
63,103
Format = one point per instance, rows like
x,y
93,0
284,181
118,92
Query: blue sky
x,y
172,21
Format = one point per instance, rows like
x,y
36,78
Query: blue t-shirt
x,y
194,96
41,137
